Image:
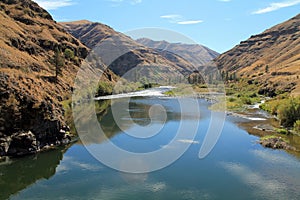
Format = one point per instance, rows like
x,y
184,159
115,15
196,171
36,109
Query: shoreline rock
x,y
276,143
25,143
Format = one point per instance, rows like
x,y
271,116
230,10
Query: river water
x,y
236,168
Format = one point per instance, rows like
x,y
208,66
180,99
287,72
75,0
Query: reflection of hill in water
x,y
22,172
136,113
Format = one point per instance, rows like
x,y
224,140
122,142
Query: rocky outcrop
x,y
25,143
22,143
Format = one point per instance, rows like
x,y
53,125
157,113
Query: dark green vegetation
x,y
287,109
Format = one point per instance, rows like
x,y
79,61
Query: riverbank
x,y
247,104
25,143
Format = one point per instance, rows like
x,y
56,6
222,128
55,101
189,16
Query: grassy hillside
x,y
272,58
33,50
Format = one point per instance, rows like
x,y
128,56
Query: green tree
x,y
69,54
234,76
58,61
267,69
210,78
227,76
223,75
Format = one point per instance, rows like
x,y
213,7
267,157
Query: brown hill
x,y
196,54
271,58
31,96
128,55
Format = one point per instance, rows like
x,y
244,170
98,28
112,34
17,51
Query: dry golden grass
x,y
278,48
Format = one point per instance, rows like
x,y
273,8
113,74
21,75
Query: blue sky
x,y
217,24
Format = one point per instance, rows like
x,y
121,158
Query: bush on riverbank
x,y
297,126
287,109
289,112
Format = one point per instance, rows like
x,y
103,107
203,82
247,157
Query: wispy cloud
x,y
190,22
53,5
224,0
178,19
276,6
173,18
170,16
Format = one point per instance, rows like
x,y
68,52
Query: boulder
x,y
23,143
4,145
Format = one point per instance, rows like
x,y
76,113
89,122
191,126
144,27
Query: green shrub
x,y
289,112
104,88
69,54
282,131
253,95
271,106
297,126
246,100
231,99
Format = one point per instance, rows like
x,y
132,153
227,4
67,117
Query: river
x,y
236,168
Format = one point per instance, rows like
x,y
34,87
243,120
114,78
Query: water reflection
x,y
238,168
18,174
265,127
140,111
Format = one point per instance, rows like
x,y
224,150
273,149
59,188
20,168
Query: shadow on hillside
x,y
51,79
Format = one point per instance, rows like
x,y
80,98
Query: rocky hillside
x,y
31,114
196,54
271,59
147,61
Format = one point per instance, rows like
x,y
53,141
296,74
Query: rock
x,y
4,145
276,143
23,143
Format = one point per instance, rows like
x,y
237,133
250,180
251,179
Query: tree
x,y
267,69
58,62
227,76
234,76
210,78
223,75
69,54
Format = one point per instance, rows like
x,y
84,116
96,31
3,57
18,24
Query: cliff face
x,y
272,57
31,96
146,60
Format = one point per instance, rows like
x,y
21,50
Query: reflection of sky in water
x,y
264,187
237,168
